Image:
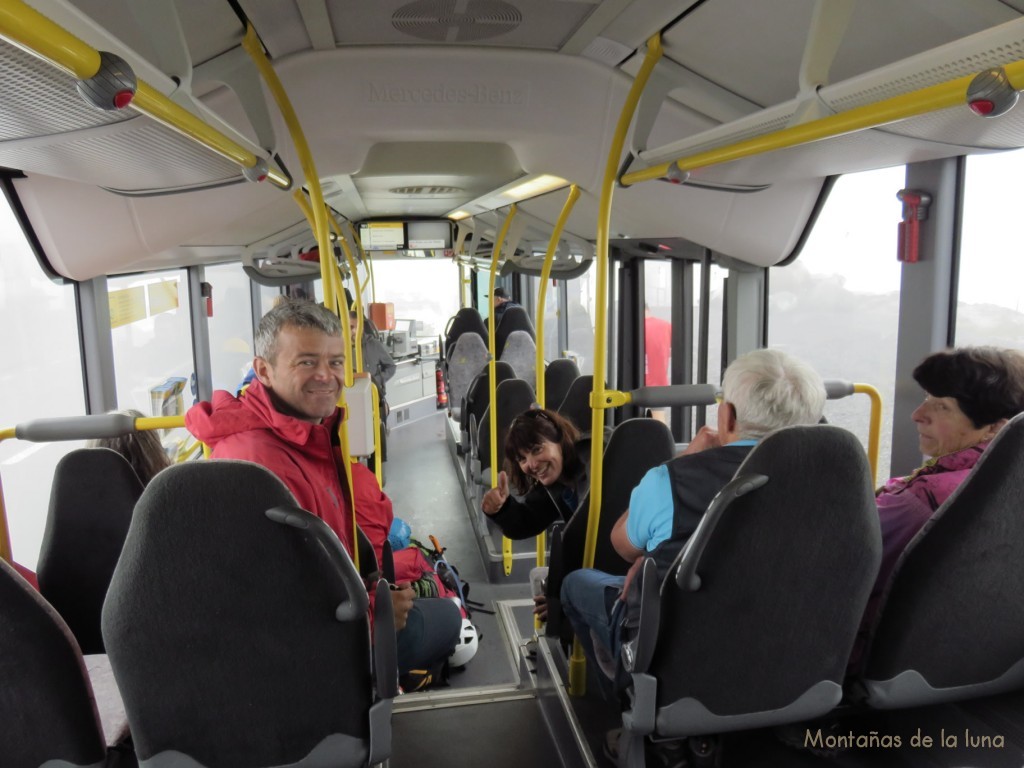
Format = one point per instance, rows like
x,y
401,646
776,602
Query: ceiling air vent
x,y
426,190
440,21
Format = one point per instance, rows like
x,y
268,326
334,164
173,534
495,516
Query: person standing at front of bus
x,y
762,390
287,421
378,363
970,393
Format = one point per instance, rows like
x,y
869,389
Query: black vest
x,y
695,480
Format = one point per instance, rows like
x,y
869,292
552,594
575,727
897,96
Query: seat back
x,y
479,394
94,492
775,580
558,377
513,396
467,359
238,635
513,319
951,624
521,353
634,447
466,320
575,406
47,711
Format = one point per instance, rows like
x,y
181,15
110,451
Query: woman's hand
x,y
495,498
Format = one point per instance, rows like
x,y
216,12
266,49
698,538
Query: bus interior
x,y
834,178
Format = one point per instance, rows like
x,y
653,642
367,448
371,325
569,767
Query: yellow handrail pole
x,y
144,423
542,296
492,386
545,276
254,48
326,275
875,429
951,93
357,298
31,31
577,664
378,469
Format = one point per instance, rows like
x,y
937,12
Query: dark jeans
x,y
430,634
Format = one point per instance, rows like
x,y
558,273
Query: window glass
x,y
424,290
152,339
581,310
658,328
837,305
42,378
551,319
990,309
230,326
716,302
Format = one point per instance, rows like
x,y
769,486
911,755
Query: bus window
x,y
231,349
42,378
581,312
990,309
552,349
837,305
424,290
151,335
658,328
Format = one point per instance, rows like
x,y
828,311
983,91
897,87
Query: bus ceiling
x,y
418,116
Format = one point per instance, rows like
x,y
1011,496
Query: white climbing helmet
x,y
466,647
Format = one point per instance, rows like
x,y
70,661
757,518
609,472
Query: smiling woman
x,y
545,462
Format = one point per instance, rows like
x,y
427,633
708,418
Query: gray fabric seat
x,y
558,377
478,397
47,712
513,319
466,320
756,619
520,352
468,358
634,447
513,396
237,629
94,492
951,622
575,406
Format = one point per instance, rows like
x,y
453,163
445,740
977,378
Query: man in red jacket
x,y
287,421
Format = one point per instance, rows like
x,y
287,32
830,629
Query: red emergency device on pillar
x,y
915,210
442,394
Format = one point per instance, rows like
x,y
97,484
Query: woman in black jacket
x,y
545,460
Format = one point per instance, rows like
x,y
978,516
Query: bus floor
x,y
509,707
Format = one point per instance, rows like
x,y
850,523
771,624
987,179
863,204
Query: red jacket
x,y
305,456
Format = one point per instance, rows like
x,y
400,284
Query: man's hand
x,y
495,498
705,438
631,574
401,603
540,607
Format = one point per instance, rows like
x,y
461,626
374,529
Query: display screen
x,y
428,235
382,235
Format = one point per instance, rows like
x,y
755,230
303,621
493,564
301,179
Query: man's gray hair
x,y
770,389
300,314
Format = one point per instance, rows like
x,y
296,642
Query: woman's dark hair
x,y
143,450
527,430
987,382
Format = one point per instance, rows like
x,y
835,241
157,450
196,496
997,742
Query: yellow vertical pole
x,y
254,48
874,427
499,241
577,664
542,295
